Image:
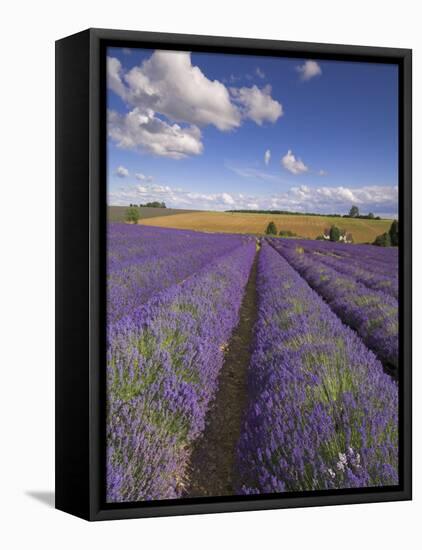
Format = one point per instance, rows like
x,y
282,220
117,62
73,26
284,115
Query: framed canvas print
x,y
233,274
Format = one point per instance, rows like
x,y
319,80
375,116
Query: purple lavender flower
x,y
142,261
164,358
322,413
372,313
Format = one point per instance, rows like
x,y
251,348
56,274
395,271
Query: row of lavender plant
x,y
322,414
366,251
368,272
163,364
382,260
373,314
143,261
128,243
367,276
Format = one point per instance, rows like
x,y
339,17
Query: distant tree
x,y
287,233
383,240
155,204
378,217
371,216
132,214
334,233
394,233
271,229
354,212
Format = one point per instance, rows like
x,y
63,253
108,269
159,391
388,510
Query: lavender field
x,y
280,355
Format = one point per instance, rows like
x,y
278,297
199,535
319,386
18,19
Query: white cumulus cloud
x,y
143,177
309,70
169,84
114,77
144,131
267,157
227,199
373,198
292,164
122,172
257,104
379,199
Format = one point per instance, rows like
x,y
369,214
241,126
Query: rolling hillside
x,y
117,213
363,231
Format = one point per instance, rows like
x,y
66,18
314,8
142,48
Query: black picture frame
x,y
80,271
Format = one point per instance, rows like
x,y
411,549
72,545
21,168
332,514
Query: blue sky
x,y
218,132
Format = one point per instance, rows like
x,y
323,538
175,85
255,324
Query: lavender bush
x,y
365,275
356,261
143,261
381,260
322,413
163,364
373,314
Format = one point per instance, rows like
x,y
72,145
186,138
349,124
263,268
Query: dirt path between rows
x,y
213,457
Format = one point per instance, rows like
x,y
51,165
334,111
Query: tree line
x,y
353,213
335,234
154,204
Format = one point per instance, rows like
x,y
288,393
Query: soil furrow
x,y
213,457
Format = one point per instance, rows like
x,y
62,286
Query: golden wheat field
x,y
363,231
